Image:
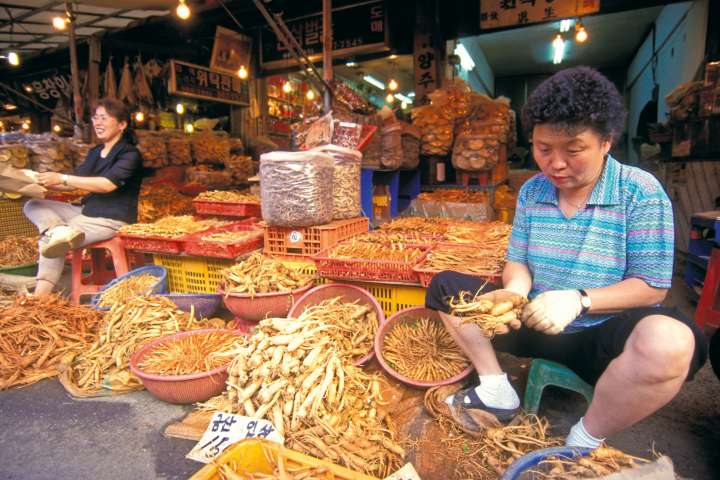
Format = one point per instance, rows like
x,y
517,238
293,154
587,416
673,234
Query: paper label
x,y
407,472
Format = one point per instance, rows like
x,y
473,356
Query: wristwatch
x,y
65,179
584,301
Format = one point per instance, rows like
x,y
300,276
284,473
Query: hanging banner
x,y
356,29
509,13
230,51
425,57
194,81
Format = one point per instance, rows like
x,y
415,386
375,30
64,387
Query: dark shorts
x,y
587,352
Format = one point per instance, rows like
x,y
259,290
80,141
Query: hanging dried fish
x,y
141,84
126,91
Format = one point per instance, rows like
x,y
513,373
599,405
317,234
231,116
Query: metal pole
x,y
327,51
77,98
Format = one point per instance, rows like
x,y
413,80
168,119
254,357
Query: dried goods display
x,y
260,274
37,332
493,235
491,317
79,151
346,181
208,176
428,226
436,129
240,167
296,188
153,149
50,155
227,237
172,227
455,195
127,289
372,155
126,90
478,259
476,152
127,326
381,236
210,148
393,252
161,200
350,99
600,462
189,354
293,373
355,325
179,151
18,250
228,196
410,147
423,350
392,151
15,155
236,146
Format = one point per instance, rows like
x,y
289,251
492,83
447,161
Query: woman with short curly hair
x,y
592,250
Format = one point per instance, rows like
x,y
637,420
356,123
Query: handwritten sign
x,y
407,472
225,429
506,13
356,29
426,72
189,80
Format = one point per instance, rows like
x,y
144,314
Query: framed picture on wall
x,y
230,51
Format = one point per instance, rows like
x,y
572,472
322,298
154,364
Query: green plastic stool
x,y
545,372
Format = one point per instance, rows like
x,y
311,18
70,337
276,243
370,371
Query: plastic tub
x,y
206,304
531,460
25,270
181,389
349,293
160,285
411,313
255,307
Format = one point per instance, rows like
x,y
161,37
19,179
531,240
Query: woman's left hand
x,y
49,179
552,311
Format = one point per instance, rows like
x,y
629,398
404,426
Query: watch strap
x,y
584,301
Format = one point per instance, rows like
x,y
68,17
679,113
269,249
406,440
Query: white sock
x,y
495,391
579,437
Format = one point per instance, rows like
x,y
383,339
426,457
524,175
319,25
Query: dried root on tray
x,y
189,354
489,316
260,274
394,252
455,195
227,196
18,250
126,327
423,350
468,260
127,289
296,374
600,463
227,237
171,227
37,332
161,200
354,324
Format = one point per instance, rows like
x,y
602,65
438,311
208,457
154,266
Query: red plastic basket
x,y
227,209
195,245
426,274
153,244
368,270
255,307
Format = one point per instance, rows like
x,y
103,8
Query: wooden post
x,y
327,50
95,56
77,98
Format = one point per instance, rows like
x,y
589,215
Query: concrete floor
x,y
45,434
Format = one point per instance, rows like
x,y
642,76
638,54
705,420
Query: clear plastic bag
x,y
410,147
392,151
296,188
476,152
346,181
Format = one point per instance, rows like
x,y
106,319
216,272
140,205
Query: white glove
x,y
552,311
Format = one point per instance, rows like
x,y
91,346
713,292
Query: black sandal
x,y
502,414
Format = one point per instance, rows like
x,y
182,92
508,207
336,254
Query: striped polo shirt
x,y
625,231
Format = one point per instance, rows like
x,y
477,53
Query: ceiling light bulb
x,y
28,88
59,23
392,85
13,59
189,128
350,63
393,56
389,98
25,126
180,108
581,36
56,128
182,10
139,117
242,72
310,95
404,105
287,87
2,124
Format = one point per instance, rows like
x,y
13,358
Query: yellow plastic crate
x,y
13,221
249,457
192,274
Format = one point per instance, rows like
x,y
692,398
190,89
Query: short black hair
x,y
576,98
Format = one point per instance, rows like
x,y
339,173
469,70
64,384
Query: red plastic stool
x,y
99,273
466,177
708,309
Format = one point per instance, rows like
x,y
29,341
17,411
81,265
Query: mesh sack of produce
x,y
410,147
15,155
208,147
79,151
476,152
436,129
240,167
178,150
346,181
392,152
49,156
296,188
153,149
372,155
203,175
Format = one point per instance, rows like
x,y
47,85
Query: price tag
x,y
296,237
225,429
405,473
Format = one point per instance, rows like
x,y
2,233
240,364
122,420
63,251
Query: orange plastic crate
x,y
309,241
